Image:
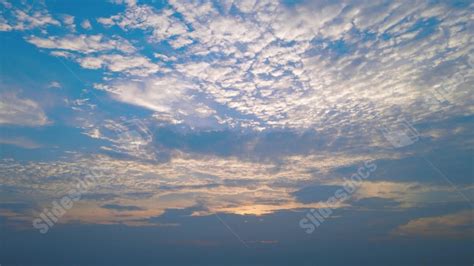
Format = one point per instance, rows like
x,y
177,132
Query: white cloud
x,y
54,85
24,18
168,94
20,111
161,23
324,65
126,2
133,64
86,24
98,51
180,42
68,21
293,86
20,142
245,6
83,43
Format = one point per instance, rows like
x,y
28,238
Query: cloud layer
x,y
251,108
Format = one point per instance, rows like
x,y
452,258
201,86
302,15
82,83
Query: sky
x,y
233,132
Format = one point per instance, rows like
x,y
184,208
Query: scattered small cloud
x,y
68,21
54,85
86,24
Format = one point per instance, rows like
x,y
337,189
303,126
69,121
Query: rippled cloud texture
x,y
216,126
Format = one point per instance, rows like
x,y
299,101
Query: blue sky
x,y
214,127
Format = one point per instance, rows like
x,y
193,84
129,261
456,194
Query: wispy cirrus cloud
x,y
82,43
20,142
15,110
455,225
